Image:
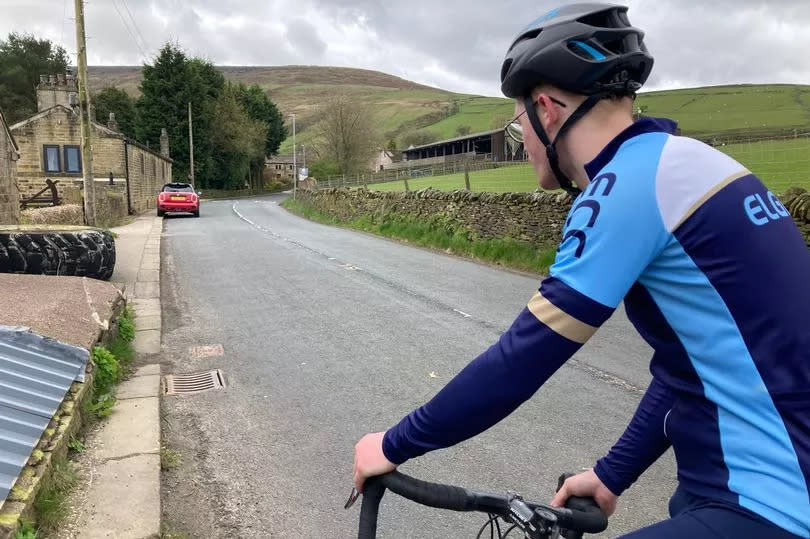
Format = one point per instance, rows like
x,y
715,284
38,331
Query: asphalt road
x,y
329,334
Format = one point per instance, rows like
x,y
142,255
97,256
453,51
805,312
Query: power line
x,y
129,31
135,24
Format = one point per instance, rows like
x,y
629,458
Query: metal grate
x,y
193,382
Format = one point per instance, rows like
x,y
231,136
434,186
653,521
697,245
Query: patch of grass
x,y
126,325
779,163
168,531
440,234
26,531
51,504
170,459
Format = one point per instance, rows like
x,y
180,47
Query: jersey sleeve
x,y
612,233
644,441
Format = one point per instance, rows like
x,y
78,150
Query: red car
x,y
178,197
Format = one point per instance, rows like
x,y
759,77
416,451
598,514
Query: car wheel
x,y
161,213
79,251
197,213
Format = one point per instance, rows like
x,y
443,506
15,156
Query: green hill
x,y
401,106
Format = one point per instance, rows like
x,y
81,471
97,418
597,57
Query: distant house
x,y
383,160
9,196
49,144
280,167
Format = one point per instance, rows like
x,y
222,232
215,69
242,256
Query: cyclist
x,y
713,273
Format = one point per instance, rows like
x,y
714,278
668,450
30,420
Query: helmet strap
x,y
551,151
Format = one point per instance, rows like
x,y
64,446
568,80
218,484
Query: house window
x,y
154,168
73,159
51,160
140,161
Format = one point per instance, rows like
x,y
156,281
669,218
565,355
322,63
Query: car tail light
x,y
194,198
162,197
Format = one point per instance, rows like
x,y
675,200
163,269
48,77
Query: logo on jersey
x,y
762,211
601,186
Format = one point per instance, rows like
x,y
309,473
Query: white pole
x,y
295,169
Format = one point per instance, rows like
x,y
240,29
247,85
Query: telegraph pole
x,y
84,109
191,148
295,170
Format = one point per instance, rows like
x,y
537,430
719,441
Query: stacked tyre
x,y
79,251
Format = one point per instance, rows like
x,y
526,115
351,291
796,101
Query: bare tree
x,y
347,135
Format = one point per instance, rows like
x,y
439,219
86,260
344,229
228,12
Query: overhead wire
x,y
129,31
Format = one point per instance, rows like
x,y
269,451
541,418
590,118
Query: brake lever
x,y
352,498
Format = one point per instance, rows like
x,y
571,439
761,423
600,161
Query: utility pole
x,y
191,148
84,109
295,170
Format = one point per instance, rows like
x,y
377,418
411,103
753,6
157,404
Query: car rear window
x,y
179,188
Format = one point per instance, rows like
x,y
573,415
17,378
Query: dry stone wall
x,y
537,218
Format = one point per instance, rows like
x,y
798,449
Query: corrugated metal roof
x,y
35,374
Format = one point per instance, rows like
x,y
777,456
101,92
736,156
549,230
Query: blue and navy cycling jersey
x,y
714,276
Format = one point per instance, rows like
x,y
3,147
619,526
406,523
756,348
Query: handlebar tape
x,y
430,494
583,515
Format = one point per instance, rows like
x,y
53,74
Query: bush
x,y
108,372
126,327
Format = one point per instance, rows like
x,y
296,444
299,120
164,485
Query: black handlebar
x,y
579,515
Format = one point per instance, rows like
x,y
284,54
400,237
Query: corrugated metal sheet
x,y
35,374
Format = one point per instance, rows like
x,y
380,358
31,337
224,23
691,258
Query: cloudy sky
x,y
452,44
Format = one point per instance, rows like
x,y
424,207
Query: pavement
x,y
122,497
324,334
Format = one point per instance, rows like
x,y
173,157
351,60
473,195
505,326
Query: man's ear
x,y
548,112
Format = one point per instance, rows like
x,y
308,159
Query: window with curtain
x,y
51,158
73,159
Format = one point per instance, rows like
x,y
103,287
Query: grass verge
x,y
112,365
439,234
51,504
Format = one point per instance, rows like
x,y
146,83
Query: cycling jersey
x,y
714,275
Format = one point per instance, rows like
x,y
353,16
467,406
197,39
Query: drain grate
x,y
193,382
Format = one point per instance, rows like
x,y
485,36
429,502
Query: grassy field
x,y
779,163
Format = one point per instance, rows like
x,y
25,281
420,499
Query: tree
x,y
23,58
239,139
260,108
420,137
167,87
463,130
324,168
111,99
391,145
347,134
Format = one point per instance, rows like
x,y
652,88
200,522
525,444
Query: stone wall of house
x,y
60,127
9,196
537,218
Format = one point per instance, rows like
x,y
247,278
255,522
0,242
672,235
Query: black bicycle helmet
x,y
588,49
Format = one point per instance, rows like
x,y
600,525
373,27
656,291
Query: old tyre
x,y
57,250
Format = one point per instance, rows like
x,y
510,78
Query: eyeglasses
x,y
515,131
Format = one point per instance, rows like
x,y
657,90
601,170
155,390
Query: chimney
x,y
164,143
56,90
112,123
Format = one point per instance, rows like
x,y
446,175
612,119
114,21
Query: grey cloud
x,y
455,43
303,36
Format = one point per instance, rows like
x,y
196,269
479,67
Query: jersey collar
x,y
640,127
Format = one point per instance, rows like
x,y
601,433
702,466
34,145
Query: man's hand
x,y
587,484
369,459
